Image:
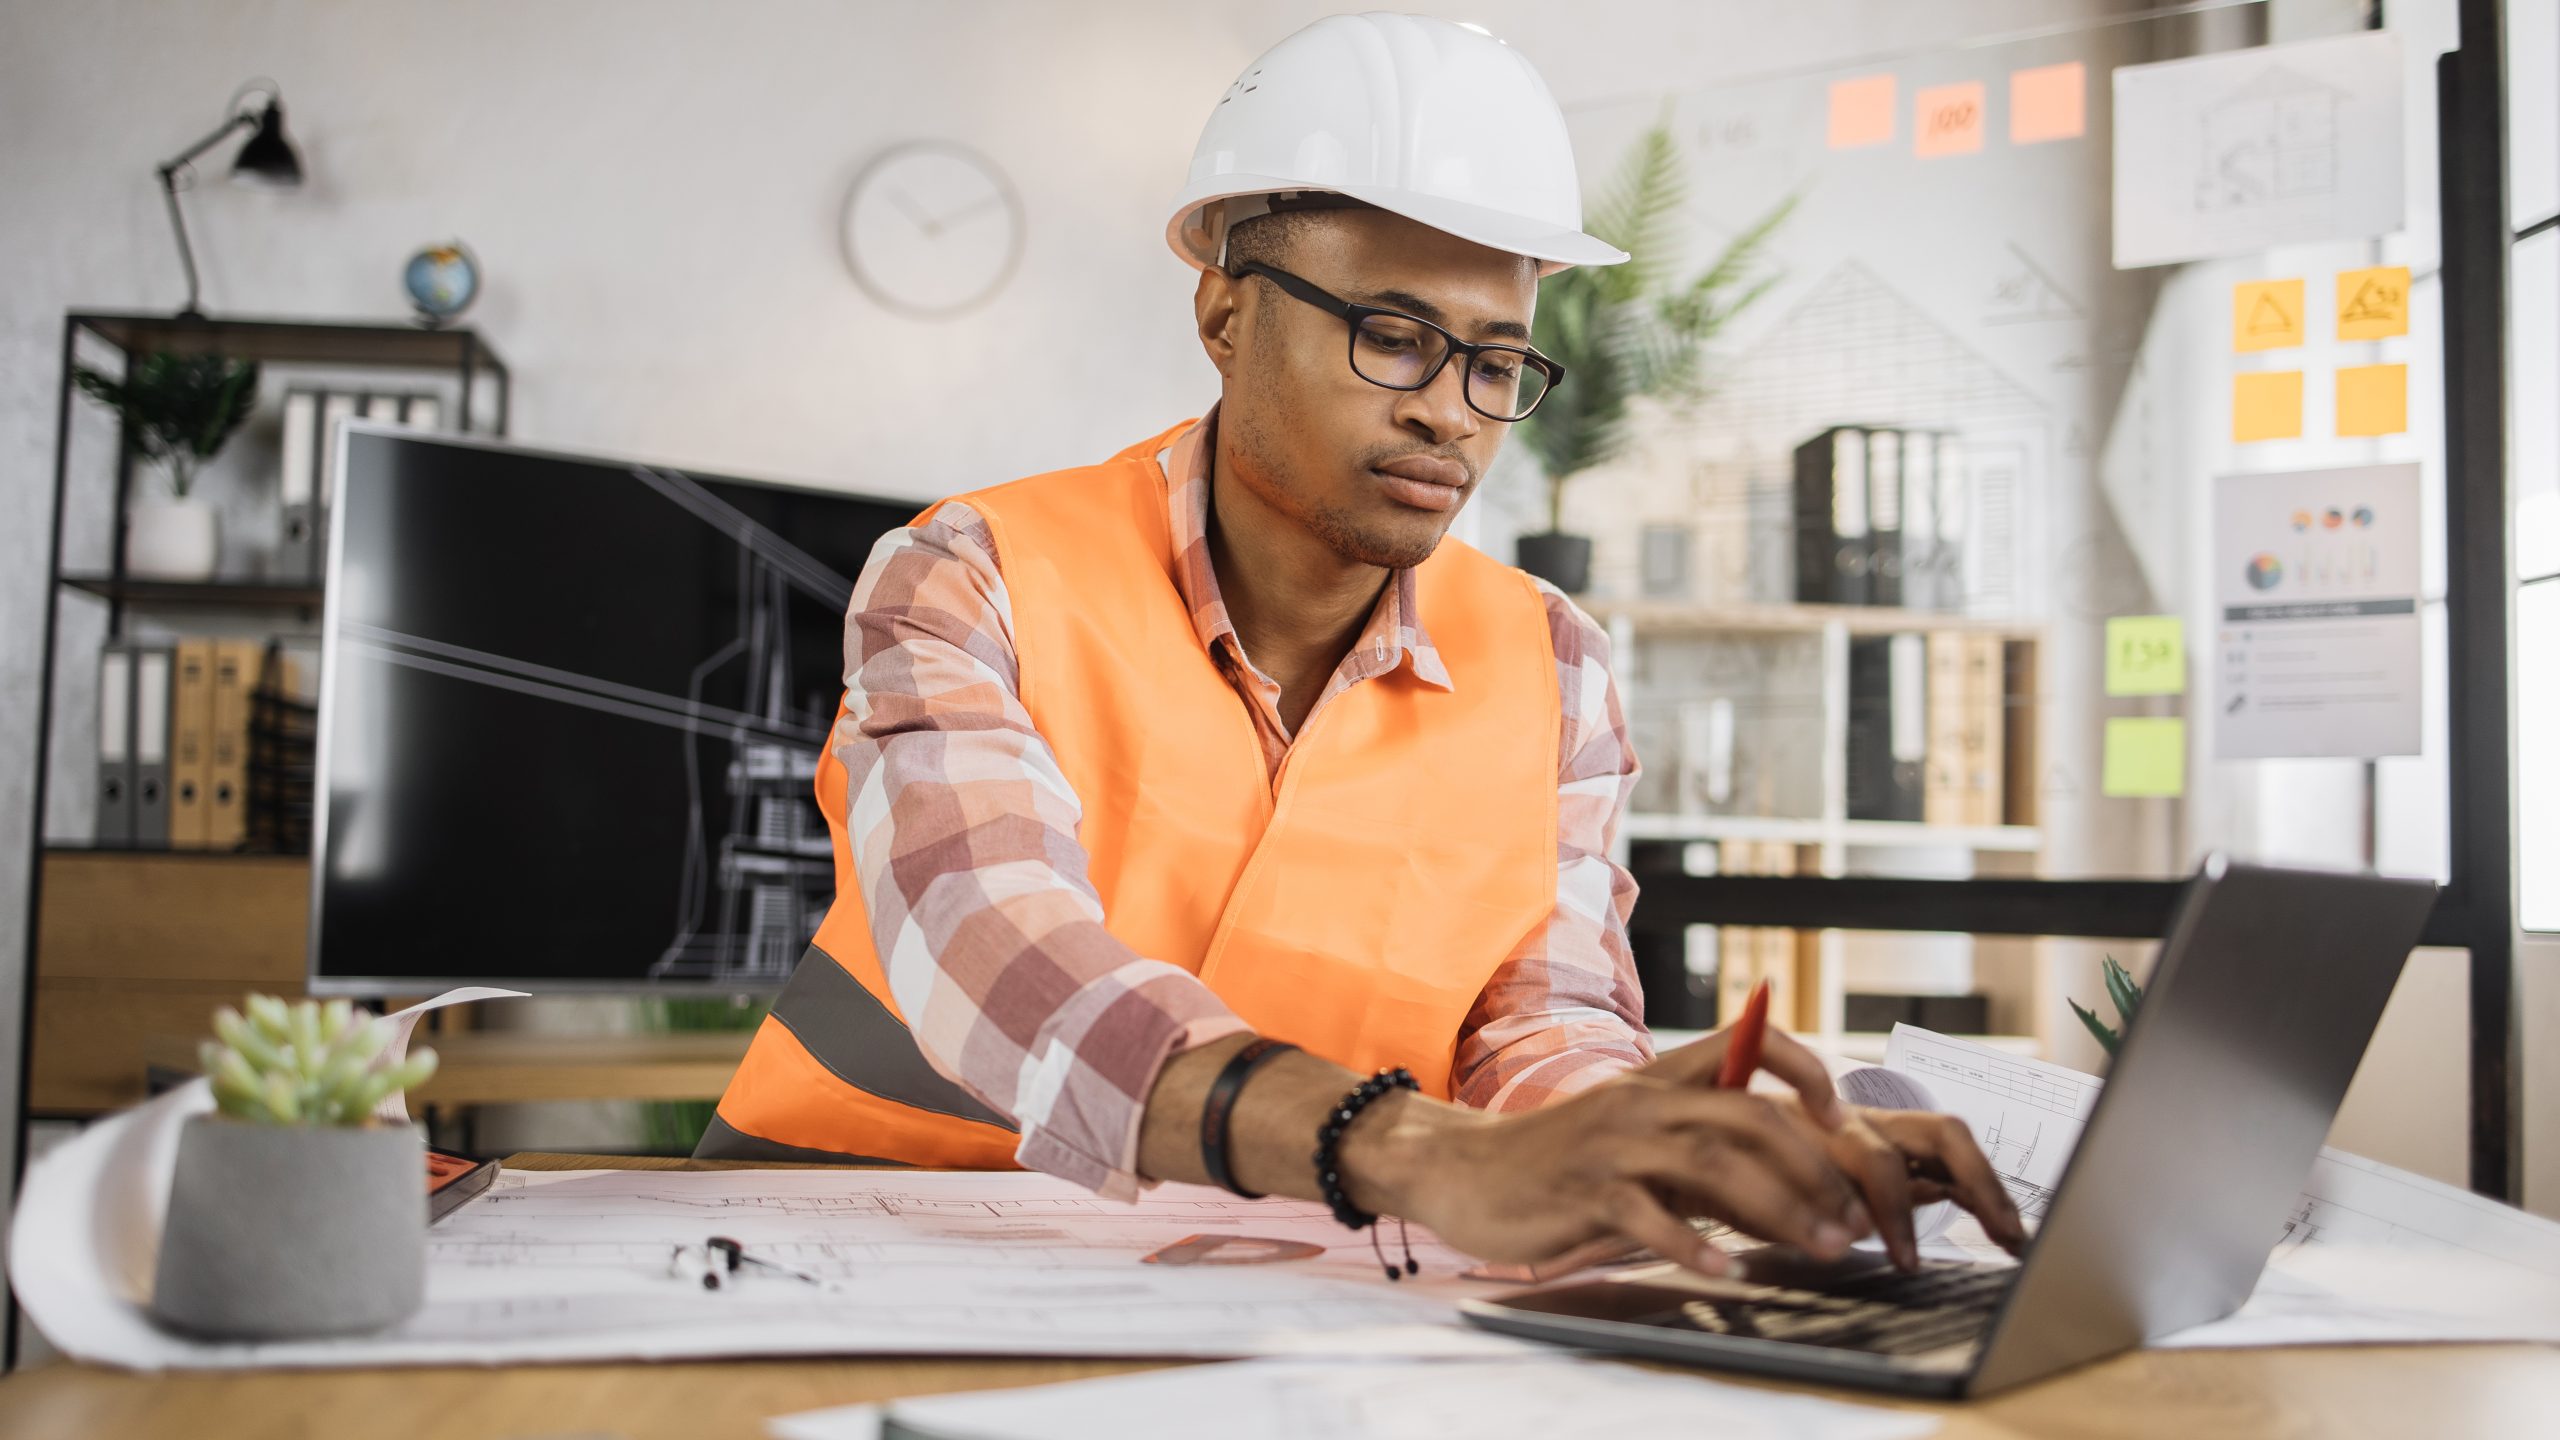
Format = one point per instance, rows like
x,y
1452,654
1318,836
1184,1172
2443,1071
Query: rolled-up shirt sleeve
x,y
1565,1011
963,836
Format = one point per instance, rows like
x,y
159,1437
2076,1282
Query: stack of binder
x,y
308,485
1880,518
174,728
283,748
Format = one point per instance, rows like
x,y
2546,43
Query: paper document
x,y
577,1266
1552,1397
2368,1253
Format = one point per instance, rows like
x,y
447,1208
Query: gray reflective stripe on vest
x,y
850,1032
724,1141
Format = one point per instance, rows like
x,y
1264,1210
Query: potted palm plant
x,y
1624,331
178,410
293,1212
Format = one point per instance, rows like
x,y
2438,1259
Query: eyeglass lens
x,y
1400,354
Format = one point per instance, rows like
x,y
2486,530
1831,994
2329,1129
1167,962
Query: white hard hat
x,y
1437,122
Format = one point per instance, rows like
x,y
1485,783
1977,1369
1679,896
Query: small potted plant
x,y
293,1212
2127,997
179,410
1628,330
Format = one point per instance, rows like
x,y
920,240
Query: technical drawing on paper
x,y
2273,139
2025,292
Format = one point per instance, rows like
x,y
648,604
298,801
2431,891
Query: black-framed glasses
x,y
1397,351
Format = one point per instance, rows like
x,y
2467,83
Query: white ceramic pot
x,y
171,539
279,1232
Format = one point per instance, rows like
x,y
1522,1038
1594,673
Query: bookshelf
x,y
125,942
1823,838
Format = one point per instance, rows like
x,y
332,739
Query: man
x,y
1223,738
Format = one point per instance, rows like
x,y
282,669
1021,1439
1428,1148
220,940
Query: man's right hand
x,y
1634,1158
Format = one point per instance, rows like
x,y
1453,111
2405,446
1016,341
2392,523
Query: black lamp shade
x,y
268,158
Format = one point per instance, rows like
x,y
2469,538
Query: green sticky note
x,y
2146,757
2146,655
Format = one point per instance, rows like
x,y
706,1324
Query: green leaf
x,y
2106,1037
2121,989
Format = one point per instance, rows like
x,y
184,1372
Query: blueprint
x,y
580,1265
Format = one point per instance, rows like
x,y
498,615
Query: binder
x,y
1942,796
1888,727
236,666
334,407
1884,516
190,744
298,488
115,744
1923,573
1986,701
426,412
1832,552
382,407
151,666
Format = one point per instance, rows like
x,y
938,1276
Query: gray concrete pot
x,y
280,1233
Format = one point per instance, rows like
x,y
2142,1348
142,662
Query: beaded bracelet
x,y
1329,1164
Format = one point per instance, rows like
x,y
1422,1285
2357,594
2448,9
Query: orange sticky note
x,y
1861,112
2373,399
2373,304
2266,315
2266,405
1947,120
2049,102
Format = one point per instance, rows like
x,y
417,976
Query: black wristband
x,y
1329,1142
1222,1106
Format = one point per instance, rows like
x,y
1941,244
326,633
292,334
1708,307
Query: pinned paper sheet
x,y
2373,304
2266,405
2266,315
2049,102
2146,757
2373,400
2146,655
1947,120
1861,112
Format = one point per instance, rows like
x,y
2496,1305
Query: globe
x,y
441,280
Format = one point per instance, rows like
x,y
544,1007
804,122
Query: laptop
x,y
2265,994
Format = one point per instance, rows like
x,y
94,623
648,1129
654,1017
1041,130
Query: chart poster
x,y
2235,152
2316,607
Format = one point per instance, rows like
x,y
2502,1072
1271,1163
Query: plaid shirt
x,y
963,831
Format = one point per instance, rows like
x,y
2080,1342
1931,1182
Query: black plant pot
x,y
1561,560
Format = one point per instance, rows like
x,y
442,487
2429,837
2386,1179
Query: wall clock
x,y
932,228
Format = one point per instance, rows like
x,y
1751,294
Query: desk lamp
x,y
267,161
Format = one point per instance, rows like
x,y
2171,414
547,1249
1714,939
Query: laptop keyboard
x,y
1884,1311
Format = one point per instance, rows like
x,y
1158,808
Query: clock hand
x,y
915,212
965,211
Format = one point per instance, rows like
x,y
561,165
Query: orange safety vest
x,y
1356,907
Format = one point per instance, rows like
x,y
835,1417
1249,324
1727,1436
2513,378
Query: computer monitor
x,y
571,710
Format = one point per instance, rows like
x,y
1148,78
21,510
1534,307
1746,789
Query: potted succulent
x,y
293,1213
178,410
1622,331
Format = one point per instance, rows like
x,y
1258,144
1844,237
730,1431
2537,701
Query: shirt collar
x,y
1394,634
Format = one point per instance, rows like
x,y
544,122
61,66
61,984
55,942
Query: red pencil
x,y
1742,1051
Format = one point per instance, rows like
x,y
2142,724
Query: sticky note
x,y
2146,757
2266,315
2373,304
2049,102
2266,405
1947,120
1861,111
2373,399
2146,655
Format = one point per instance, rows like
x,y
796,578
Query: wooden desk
x,y
2387,1392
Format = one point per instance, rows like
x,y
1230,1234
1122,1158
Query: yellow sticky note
x,y
2266,405
2146,655
2373,399
2146,757
2049,102
2373,304
1947,120
1861,111
2266,315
